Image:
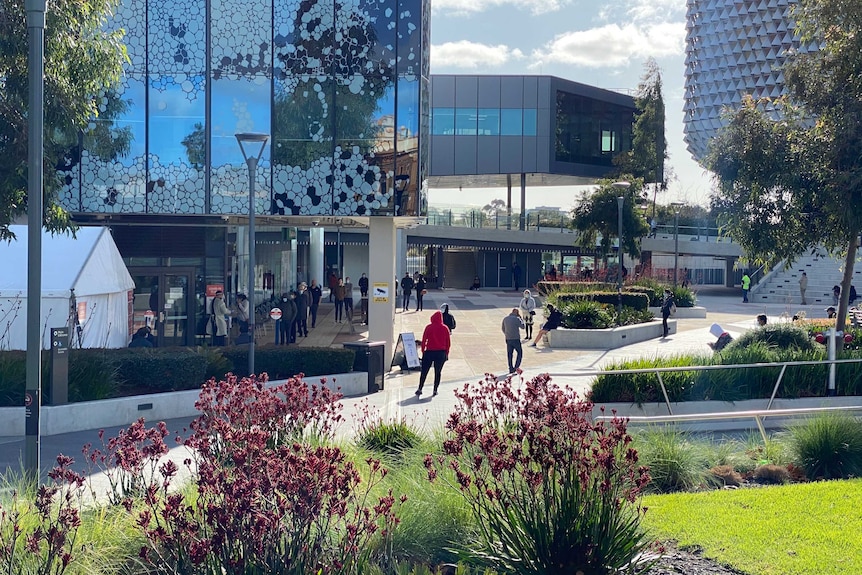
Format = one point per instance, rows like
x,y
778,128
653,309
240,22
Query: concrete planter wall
x,y
58,419
696,312
610,338
689,407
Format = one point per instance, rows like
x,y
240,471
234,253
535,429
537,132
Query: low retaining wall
x,y
690,407
696,312
610,338
58,419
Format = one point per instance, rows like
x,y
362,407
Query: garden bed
x,y
609,338
696,312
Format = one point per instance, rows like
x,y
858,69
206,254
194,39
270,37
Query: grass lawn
x,y
801,529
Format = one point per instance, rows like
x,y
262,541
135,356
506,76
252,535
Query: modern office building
x,y
342,90
733,49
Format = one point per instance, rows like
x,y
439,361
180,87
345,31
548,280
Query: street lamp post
x,y
620,201
251,161
35,155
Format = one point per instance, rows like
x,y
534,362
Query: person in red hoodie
x,y
435,350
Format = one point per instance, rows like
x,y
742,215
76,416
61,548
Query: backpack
x,y
449,321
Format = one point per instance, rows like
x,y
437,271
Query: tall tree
x,y
82,63
596,217
648,155
790,171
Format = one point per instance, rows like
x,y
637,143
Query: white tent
x,y
85,287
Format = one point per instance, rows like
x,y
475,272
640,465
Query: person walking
x,y
288,314
667,307
803,285
746,285
242,312
348,299
316,293
220,314
435,350
553,320
653,228
836,294
528,310
512,326
302,311
448,318
339,300
516,275
333,283
363,286
420,291
406,289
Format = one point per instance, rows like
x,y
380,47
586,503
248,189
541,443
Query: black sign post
x,y
58,393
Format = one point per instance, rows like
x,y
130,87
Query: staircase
x,y
782,285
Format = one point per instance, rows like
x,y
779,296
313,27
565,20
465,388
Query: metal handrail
x,y
757,414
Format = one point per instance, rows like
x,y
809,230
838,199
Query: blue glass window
x,y
510,122
530,122
489,122
465,122
443,121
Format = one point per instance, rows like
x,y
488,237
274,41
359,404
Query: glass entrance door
x,y
162,302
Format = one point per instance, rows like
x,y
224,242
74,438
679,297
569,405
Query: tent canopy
x,y
89,263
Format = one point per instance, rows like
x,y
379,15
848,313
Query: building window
x,y
465,122
591,131
510,122
443,121
608,142
529,122
489,121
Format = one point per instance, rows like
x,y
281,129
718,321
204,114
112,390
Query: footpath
x,y
478,348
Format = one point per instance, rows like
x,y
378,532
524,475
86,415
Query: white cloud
x,y
612,45
466,54
460,7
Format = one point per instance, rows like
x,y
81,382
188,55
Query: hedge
x,y
638,301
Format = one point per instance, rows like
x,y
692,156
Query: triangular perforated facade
x,y
733,48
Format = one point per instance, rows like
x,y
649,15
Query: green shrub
x,y
675,462
13,377
388,437
160,368
282,362
639,301
644,387
93,374
783,336
828,446
586,314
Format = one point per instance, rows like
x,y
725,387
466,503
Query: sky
x,y
603,44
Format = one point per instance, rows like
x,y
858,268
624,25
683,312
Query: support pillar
x,y
522,224
508,201
382,246
315,256
729,264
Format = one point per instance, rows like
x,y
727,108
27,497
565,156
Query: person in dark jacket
x,y
363,286
316,292
141,338
302,311
406,289
667,305
420,291
435,350
448,319
288,315
553,320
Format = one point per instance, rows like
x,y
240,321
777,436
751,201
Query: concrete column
x,y
729,264
522,225
315,256
400,253
381,268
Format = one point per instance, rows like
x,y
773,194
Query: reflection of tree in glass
x,y
103,137
337,41
195,145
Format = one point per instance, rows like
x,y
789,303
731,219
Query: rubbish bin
x,y
369,358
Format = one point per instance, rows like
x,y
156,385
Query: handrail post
x,y
664,392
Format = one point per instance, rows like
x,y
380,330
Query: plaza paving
x,y
477,348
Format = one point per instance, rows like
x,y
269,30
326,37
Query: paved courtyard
x,y
477,348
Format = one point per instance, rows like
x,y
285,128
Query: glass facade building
x,y
497,125
341,86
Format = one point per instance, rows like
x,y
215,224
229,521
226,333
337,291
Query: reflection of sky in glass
x,y
238,106
173,115
134,117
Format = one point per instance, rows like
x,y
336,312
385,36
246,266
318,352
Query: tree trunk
x,y
849,261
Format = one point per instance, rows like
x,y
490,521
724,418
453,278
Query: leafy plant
x,y
584,314
782,336
38,534
390,437
674,461
551,491
828,446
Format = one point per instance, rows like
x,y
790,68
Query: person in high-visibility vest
x,y
746,284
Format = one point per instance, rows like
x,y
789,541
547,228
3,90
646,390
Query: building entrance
x,y
163,302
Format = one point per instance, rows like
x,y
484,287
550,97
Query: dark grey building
x,y
552,131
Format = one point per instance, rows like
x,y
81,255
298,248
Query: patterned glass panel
x,y
241,61
409,32
176,44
